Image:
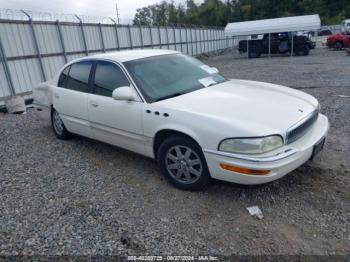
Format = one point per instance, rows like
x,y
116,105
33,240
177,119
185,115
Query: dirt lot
x,y
82,197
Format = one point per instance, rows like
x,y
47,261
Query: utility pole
x,y
117,9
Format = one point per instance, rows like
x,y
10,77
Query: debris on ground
x,y
255,212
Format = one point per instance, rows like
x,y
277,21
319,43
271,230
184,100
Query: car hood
x,y
257,108
336,36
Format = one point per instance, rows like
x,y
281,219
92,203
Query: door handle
x,y
56,96
94,104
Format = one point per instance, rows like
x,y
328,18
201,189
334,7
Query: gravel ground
x,y
82,197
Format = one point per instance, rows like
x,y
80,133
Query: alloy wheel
x,y
183,164
57,123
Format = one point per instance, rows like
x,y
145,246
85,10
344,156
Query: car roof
x,y
128,55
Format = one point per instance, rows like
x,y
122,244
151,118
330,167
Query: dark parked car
x,y
323,32
280,43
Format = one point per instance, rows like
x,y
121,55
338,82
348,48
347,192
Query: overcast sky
x,y
127,8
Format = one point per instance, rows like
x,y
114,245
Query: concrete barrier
x,y
15,105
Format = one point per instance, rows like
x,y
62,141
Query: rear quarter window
x,y
62,81
78,76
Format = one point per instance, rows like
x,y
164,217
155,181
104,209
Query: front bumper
x,y
280,162
43,111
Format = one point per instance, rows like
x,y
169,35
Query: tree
x,y
192,15
211,12
181,14
173,18
143,16
220,12
160,13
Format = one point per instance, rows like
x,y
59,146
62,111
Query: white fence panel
x,y
25,74
155,36
109,37
74,56
48,38
17,39
135,36
93,37
34,51
72,38
52,64
146,36
4,85
124,39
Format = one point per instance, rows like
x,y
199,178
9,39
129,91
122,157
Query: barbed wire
x,y
13,14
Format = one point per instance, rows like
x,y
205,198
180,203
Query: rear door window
x,y
108,76
78,77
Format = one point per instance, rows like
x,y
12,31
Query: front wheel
x,y
182,163
58,127
338,45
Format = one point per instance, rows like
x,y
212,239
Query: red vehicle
x,y
338,41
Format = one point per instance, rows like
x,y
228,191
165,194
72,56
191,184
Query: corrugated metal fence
x,y
33,51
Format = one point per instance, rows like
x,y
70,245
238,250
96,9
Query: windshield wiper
x,y
212,84
169,96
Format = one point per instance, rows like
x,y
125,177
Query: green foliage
x,y
221,12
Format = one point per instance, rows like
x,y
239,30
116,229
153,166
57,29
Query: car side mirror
x,y
124,93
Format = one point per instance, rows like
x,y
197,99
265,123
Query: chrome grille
x,y
296,131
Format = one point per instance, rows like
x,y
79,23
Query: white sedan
x,y
196,123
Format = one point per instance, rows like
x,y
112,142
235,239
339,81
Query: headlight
x,y
251,145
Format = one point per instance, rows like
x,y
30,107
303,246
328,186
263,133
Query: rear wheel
x,y
303,50
182,163
338,45
254,52
58,127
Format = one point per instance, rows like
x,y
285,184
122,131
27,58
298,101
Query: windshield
x,y
165,76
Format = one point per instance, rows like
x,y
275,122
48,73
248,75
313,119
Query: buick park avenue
x,y
193,121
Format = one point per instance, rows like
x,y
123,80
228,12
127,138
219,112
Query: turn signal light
x,y
245,171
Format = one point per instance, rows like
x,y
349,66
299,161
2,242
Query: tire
x,y
254,52
303,50
58,127
338,45
182,163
